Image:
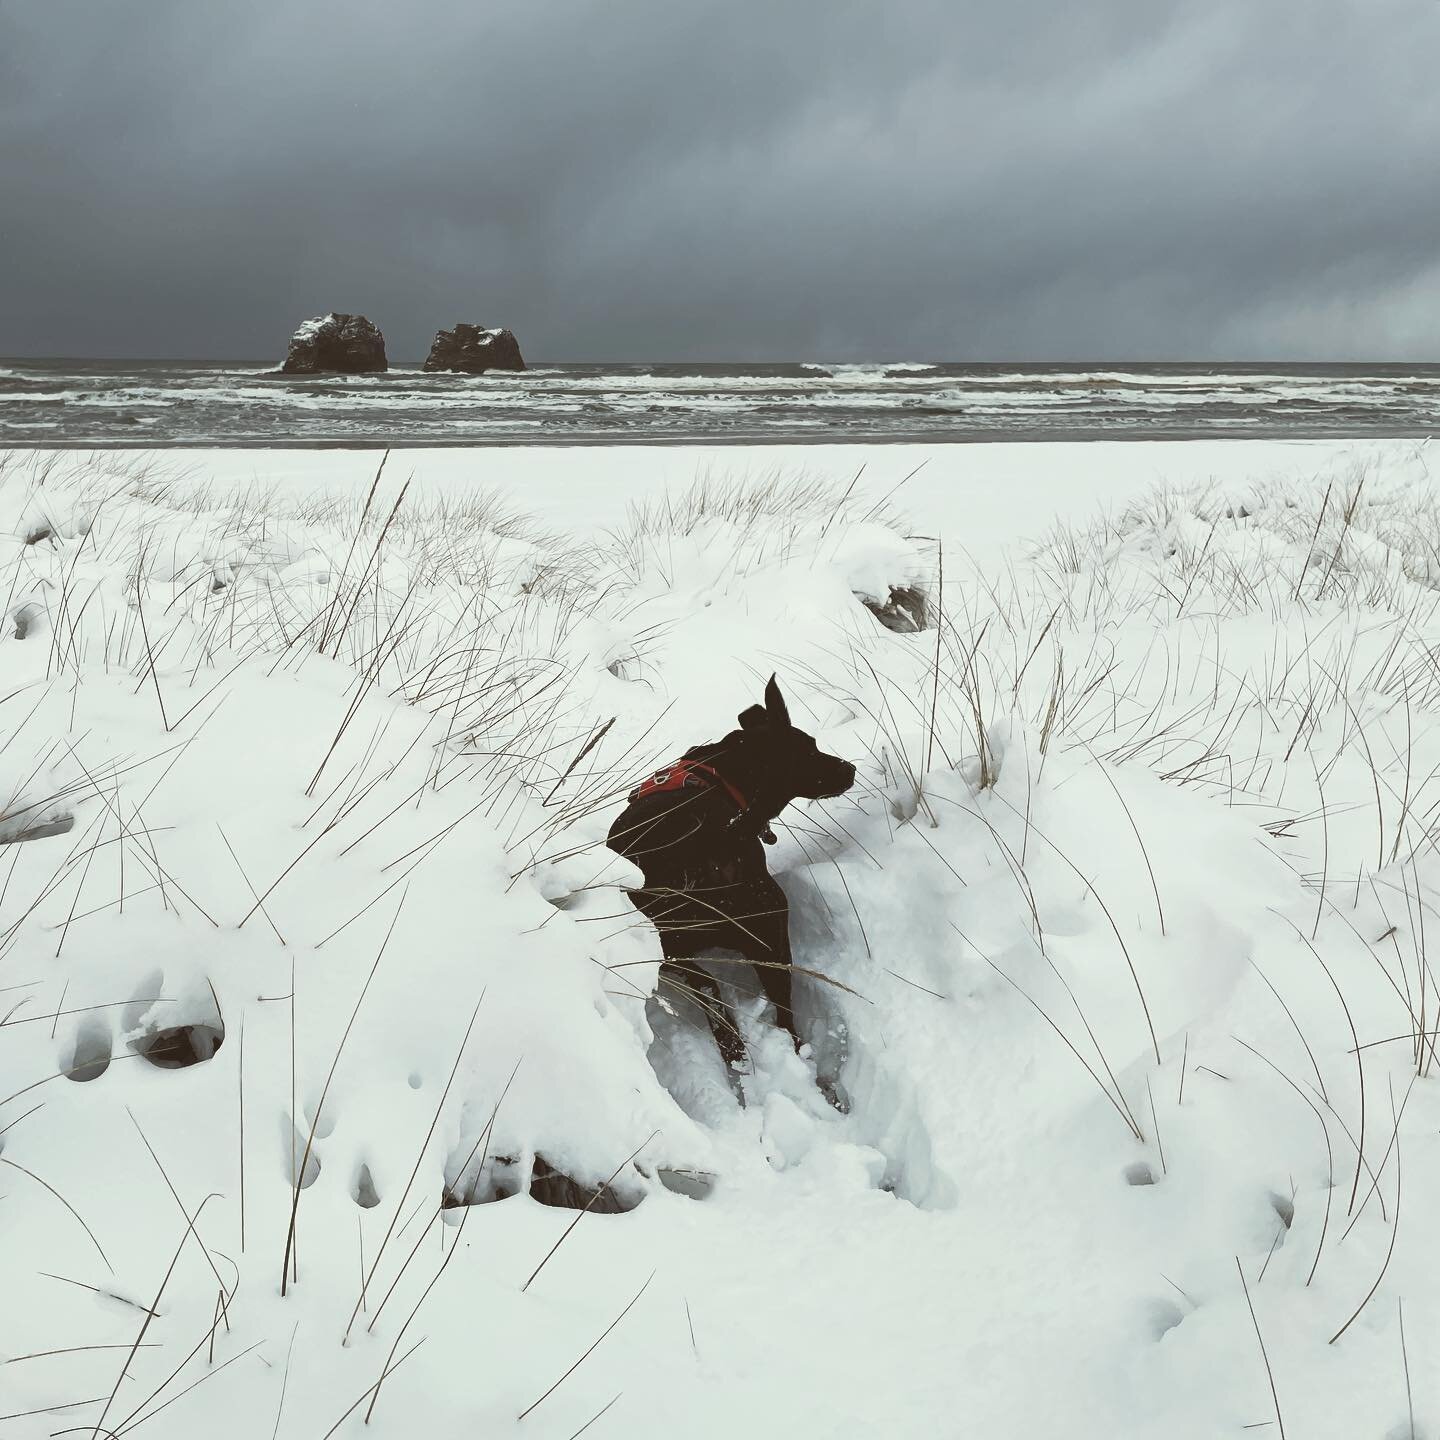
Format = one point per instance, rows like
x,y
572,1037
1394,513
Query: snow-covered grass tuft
x,y
340,1091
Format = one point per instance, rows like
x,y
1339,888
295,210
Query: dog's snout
x,y
838,776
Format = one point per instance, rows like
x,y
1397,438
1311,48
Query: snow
x,y
1118,1096
309,329
990,494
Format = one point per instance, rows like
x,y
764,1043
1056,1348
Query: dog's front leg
x,y
699,983
768,920
776,980
776,976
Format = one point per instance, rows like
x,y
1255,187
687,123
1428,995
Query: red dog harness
x,y
684,773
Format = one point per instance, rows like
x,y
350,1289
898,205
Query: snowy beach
x,y
1117,1113
979,495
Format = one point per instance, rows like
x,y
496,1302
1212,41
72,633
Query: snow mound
x,y
335,1071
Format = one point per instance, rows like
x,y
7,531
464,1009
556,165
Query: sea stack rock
x,y
347,344
473,351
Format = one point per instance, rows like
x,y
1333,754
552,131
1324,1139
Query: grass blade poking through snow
x,y
1394,1225
150,1314
590,1351
319,1109
415,1170
1269,1373
580,1215
50,1189
449,1254
1329,1151
1116,1099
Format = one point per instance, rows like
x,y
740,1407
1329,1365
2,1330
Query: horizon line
x,y
265,363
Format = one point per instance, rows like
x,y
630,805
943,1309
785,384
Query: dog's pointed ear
x,y
754,718
775,705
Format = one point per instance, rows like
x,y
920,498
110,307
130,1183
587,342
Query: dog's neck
x,y
739,760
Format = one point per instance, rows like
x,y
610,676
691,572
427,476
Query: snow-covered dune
x,y
1117,1112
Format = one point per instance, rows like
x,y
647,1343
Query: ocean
x,y
164,403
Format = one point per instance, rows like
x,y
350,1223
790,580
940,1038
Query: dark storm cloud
x,y
756,179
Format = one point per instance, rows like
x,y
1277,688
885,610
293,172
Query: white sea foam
x,y
866,370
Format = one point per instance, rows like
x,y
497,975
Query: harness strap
x,y
685,772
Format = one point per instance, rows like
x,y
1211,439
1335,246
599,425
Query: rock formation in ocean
x,y
472,350
347,344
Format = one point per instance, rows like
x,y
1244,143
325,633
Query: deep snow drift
x,y
311,965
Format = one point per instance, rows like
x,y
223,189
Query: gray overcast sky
x,y
747,180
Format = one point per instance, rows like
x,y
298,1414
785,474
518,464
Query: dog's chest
x,y
729,862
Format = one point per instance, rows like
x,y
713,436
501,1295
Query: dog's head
x,y
790,764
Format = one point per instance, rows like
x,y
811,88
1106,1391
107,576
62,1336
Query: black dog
x,y
695,830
